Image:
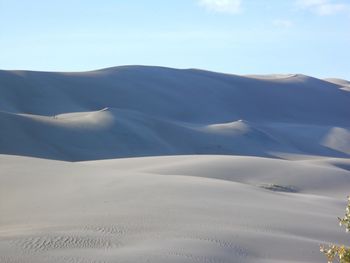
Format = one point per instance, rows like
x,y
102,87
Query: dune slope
x,y
145,111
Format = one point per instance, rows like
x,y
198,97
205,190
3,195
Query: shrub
x,y
339,253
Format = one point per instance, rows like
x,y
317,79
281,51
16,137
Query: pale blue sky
x,y
234,36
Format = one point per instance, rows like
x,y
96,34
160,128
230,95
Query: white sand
x,y
272,197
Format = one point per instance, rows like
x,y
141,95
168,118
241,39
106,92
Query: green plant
x,y
340,253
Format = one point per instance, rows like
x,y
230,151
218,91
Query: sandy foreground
x,y
171,209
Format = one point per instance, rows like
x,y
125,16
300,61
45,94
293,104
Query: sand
x,y
150,164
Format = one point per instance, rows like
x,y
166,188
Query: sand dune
x,y
180,95
226,168
160,111
345,84
112,133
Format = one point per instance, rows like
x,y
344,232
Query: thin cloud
x,y
282,23
323,7
222,6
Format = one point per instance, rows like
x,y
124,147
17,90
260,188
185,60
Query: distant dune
x,y
161,111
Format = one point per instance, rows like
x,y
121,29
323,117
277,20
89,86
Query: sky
x,y
311,37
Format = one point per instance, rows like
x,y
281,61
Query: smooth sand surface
x,y
170,209
225,168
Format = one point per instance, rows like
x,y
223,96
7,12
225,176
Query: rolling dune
x,y
224,168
